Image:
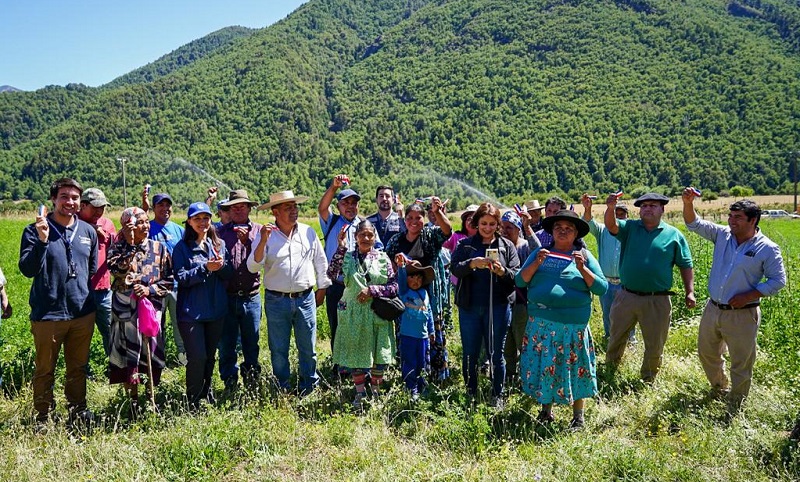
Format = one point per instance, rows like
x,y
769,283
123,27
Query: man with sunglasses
x,y
59,251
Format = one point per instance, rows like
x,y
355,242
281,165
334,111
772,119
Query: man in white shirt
x,y
294,263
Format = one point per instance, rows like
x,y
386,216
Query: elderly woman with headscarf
x,y
558,358
142,268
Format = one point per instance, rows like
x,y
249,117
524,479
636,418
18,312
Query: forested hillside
x,y
515,98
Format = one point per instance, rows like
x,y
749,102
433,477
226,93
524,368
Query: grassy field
x,y
668,431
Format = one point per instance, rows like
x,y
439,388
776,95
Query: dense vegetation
x,y
515,98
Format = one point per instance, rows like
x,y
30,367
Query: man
x,y
59,251
551,207
608,251
746,266
244,300
93,206
332,224
649,250
165,231
387,221
293,262
534,209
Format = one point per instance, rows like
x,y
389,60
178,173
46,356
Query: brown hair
x,y
486,209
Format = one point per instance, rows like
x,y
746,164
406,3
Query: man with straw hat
x,y
294,262
244,300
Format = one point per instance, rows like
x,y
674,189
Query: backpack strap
x,y
334,220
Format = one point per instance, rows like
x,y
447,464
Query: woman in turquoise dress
x,y
364,341
557,364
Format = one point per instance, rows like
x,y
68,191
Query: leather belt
x,y
243,293
723,306
296,294
612,280
649,293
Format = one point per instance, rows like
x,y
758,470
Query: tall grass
x,y
668,431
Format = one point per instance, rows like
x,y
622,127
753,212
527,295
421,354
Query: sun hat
x,y
566,215
533,205
282,197
237,196
427,272
197,208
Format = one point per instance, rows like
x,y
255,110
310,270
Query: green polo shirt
x,y
647,257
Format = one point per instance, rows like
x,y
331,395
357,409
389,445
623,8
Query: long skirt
x,y
128,357
557,364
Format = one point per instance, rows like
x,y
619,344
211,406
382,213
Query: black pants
x,y
332,296
200,340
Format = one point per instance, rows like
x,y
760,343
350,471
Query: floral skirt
x,y
557,364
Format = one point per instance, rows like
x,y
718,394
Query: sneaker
x,y
182,360
415,398
545,417
497,403
358,400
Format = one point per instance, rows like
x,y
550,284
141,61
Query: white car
x,y
778,214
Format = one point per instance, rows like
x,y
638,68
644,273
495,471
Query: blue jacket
x,y
201,293
56,296
417,320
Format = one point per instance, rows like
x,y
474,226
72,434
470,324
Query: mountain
x,y
511,98
8,88
183,56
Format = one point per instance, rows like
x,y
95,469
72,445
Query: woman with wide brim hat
x,y
557,364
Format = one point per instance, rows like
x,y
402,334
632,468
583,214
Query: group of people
x,y
522,281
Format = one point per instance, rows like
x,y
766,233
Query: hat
x,y
513,218
346,194
566,215
651,196
533,205
162,197
468,210
237,196
197,208
282,197
95,197
624,207
427,272
221,204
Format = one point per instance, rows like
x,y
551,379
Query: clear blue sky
x,y
57,42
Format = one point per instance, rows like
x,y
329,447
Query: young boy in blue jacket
x,y
416,322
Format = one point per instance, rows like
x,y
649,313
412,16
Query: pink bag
x,y
149,324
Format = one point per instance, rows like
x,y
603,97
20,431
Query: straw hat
x,y
282,197
533,205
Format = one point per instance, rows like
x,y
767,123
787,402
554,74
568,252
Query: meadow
x,y
671,430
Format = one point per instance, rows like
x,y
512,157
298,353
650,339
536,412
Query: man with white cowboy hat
x,y
244,300
294,262
534,219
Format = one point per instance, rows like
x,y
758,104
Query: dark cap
x,y
162,197
346,194
566,215
651,196
624,207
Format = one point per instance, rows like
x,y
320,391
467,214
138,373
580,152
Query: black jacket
x,y
459,267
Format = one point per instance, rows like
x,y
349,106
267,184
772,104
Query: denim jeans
x,y
244,317
333,294
102,300
475,331
284,314
200,340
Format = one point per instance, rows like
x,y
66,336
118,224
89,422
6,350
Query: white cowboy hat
x,y
533,205
282,197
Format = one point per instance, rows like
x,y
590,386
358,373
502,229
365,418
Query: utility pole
x,y
794,178
125,188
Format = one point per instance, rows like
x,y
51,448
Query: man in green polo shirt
x,y
650,248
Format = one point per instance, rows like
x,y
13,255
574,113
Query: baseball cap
x,y
161,197
197,208
95,197
346,194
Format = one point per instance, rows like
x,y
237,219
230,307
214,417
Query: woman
x,y
364,341
142,268
557,364
201,269
424,244
466,230
485,265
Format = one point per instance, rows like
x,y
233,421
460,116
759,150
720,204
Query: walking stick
x,y
151,395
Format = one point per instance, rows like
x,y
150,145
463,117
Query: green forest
x,y
515,99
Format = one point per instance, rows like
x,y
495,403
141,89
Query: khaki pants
x,y
653,313
736,330
48,336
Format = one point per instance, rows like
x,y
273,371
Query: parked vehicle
x,y
778,214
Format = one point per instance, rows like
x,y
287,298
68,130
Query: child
x,y
416,322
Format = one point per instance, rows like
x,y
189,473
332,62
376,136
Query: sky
x,y
92,42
